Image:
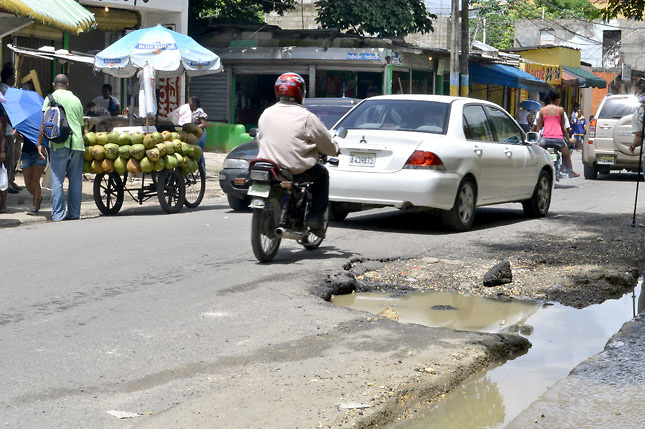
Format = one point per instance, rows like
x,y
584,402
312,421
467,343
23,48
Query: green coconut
x,y
87,167
101,138
111,150
146,165
153,154
170,148
157,136
158,165
177,145
195,152
138,151
170,161
89,139
124,151
185,149
175,136
162,149
120,165
87,155
149,141
96,167
137,138
98,152
125,139
191,128
113,137
191,139
166,136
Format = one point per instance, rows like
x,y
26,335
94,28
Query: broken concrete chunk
x,y
498,275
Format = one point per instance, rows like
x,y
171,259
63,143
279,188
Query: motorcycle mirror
x,y
253,132
341,132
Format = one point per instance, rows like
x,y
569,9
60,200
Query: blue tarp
x,y
503,75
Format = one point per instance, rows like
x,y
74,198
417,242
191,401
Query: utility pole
x,y
454,49
465,45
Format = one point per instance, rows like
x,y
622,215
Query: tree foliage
x,y
499,16
375,17
634,9
237,11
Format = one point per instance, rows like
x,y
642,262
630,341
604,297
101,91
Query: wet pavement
x,y
19,204
604,391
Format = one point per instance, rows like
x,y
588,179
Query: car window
x,y
616,108
476,126
402,115
329,115
504,127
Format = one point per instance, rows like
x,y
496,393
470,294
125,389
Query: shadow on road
x,y
288,255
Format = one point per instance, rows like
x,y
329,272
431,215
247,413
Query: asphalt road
x,y
170,317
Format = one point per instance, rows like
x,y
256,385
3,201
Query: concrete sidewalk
x,y
19,204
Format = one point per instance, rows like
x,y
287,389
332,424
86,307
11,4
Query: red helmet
x,y
290,85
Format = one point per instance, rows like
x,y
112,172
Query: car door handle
x,y
478,151
508,153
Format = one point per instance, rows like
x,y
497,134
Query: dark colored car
x,y
236,164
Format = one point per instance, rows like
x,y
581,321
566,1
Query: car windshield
x,y
329,115
616,108
402,115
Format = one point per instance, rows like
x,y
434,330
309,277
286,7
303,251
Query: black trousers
x,y
319,175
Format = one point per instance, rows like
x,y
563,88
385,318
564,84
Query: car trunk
x,y
377,151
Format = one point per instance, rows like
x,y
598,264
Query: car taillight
x,y
592,130
421,159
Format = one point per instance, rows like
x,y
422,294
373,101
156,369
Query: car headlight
x,y
236,163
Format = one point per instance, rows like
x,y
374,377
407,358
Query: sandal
x,y
573,174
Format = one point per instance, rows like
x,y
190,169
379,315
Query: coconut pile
x,y
142,153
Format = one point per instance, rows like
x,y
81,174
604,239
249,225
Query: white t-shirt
x,y
105,102
523,116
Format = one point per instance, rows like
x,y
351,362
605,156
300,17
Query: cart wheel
x,y
108,193
195,187
171,190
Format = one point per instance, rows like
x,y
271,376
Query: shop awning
x,y
591,80
569,80
66,15
503,75
49,53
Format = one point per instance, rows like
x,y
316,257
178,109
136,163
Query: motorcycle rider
x,y
293,137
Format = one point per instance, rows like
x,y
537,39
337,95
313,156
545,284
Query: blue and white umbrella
x,y
170,53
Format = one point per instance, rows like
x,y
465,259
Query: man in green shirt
x,y
66,159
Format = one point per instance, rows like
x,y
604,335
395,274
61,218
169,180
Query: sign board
x,y
550,74
168,95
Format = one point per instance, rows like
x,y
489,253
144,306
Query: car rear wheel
x,y
591,172
539,203
238,204
462,214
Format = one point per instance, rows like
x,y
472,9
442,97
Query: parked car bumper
x,y
422,188
601,159
226,182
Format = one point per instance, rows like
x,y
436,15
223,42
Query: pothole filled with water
x,y
561,338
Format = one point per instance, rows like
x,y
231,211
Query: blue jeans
x,y
202,143
65,162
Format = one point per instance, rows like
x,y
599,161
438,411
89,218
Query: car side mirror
x,y
253,132
532,137
341,133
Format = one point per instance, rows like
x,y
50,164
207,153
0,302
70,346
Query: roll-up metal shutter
x,y
212,92
247,69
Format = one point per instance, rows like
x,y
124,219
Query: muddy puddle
x,y
561,338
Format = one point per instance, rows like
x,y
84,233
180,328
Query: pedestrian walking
x,y
66,158
12,147
32,170
199,118
523,119
4,180
579,127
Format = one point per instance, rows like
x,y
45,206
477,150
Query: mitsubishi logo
x,y
362,140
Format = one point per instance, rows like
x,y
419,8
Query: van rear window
x,y
616,108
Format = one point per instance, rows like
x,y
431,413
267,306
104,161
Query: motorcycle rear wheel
x,y
263,225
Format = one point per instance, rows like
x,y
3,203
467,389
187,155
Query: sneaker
x,y
33,211
15,186
316,226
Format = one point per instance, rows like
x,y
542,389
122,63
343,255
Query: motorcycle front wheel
x,y
311,241
264,241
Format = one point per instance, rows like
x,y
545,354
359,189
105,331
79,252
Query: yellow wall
x,y
558,55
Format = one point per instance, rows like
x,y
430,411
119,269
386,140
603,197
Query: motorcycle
x,y
280,206
556,157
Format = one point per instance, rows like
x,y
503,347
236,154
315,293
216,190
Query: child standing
x,y
579,124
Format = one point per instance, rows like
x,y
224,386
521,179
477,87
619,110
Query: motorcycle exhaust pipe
x,y
288,233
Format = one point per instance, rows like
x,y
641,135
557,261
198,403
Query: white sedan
x,y
438,152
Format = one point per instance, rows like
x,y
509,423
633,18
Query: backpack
x,y
55,126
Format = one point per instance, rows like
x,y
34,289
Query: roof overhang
x,y
65,15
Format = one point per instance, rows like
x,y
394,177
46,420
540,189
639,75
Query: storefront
x,y
332,64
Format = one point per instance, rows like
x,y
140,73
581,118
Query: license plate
x,y
259,190
606,159
362,159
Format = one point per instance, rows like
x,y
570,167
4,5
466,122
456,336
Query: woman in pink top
x,y
551,121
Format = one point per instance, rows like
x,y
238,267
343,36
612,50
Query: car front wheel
x,y
238,204
462,214
539,203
